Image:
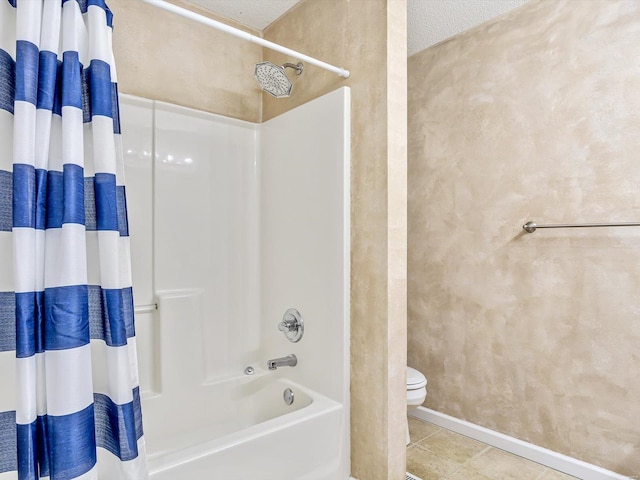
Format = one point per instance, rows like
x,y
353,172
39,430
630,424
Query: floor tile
x,y
418,429
452,445
555,475
498,465
428,465
466,473
440,454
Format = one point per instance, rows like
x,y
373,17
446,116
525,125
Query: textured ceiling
x,y
257,14
429,21
432,21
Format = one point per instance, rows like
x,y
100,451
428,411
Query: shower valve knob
x,y
292,325
285,326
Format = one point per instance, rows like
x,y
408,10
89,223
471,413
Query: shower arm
x,y
246,36
298,68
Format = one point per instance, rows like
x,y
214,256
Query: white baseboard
x,y
543,456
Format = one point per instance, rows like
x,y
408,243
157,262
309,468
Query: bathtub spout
x,y
288,361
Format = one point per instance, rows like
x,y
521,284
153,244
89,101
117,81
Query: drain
x,y
412,477
288,396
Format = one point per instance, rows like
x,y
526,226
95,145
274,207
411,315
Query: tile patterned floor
x,y
439,454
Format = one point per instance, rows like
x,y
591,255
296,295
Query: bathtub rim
x,y
320,405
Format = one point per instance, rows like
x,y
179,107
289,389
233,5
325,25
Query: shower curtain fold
x,y
66,306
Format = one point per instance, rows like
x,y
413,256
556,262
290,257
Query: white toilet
x,y
416,392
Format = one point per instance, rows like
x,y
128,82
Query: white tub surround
x,y
232,223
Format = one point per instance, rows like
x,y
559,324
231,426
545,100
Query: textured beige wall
x,y
166,57
369,38
534,116
396,329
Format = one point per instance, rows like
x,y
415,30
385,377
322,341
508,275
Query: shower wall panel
x,y
305,243
191,186
205,234
137,138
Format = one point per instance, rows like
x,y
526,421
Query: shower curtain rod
x,y
246,36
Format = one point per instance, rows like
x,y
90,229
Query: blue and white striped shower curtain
x,y
70,406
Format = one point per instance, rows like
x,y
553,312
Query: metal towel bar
x,y
531,227
145,308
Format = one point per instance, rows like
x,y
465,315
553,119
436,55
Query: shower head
x,y
273,79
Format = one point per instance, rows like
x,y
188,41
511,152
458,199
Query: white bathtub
x,y
261,438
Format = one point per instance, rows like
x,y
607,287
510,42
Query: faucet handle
x,y
286,326
292,325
